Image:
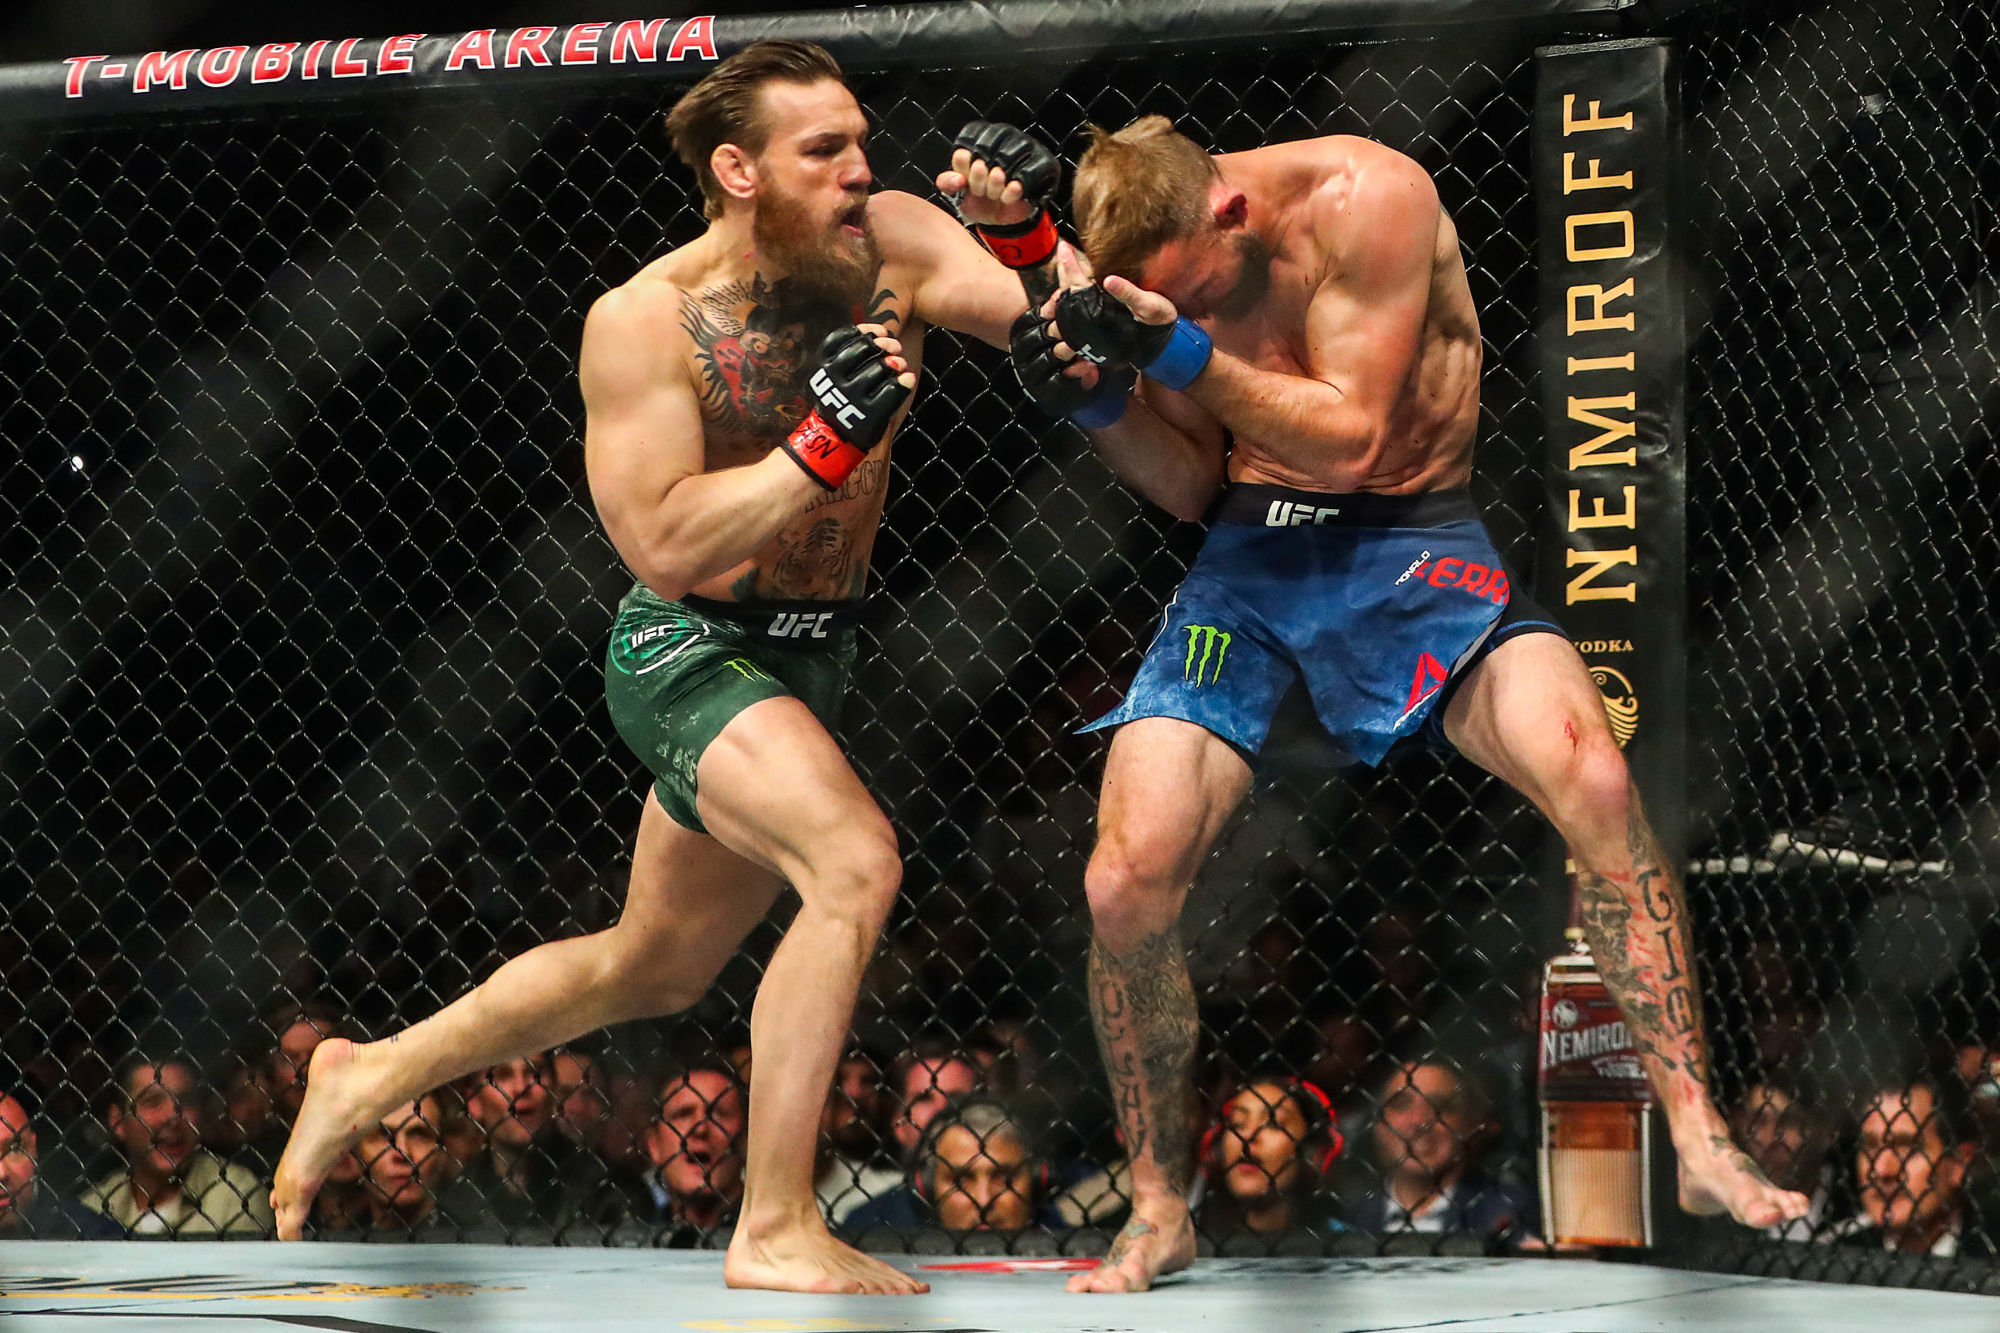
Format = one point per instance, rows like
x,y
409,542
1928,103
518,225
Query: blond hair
x,y
1136,190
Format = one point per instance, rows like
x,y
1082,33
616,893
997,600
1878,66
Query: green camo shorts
x,y
677,672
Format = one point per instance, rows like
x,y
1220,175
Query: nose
x,y
856,175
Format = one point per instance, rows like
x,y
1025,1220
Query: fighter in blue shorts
x,y
1307,363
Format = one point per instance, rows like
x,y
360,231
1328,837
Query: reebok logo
x,y
1429,680
1212,642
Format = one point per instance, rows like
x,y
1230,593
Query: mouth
x,y
854,220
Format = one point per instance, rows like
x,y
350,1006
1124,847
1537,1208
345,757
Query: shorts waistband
x,y
782,624
1256,504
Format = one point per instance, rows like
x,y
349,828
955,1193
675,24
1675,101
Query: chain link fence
x,y
1841,490
305,608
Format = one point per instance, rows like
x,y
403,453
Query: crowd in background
x,y
578,1145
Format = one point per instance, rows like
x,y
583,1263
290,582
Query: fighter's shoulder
x,y
636,331
650,304
908,228
1368,190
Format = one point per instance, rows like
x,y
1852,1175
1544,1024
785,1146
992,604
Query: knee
x,y
1597,789
1131,895
857,878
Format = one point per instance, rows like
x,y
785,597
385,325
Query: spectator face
x,y
1257,1151
581,1108
512,1103
17,1163
159,1127
1911,1178
927,1086
981,1186
697,1142
1424,1126
284,1074
402,1159
852,1108
1781,1136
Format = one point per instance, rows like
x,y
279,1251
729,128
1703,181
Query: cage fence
x,y
306,604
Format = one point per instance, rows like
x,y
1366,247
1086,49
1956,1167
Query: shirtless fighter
x,y
741,395
1308,301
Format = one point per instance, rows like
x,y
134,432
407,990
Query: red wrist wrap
x,y
1026,250
826,457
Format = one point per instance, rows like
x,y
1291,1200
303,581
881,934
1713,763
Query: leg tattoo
x,y
1143,1004
1636,920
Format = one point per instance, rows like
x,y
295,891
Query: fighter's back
x,y
1367,293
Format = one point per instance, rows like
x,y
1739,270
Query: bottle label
x,y
1587,1051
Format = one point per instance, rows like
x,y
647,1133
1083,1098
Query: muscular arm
x,y
958,285
674,525
1167,449
1363,328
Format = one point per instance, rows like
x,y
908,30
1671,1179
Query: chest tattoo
x,y
755,344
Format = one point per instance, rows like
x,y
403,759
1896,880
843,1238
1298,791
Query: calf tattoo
x,y
1143,1003
1637,927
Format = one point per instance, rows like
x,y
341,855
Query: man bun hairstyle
x,y
1136,190
725,106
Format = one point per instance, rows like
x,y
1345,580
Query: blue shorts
x,y
1370,606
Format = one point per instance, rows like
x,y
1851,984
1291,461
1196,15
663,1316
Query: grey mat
x,y
49,1287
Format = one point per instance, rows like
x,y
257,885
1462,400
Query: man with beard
x,y
741,395
1311,357
1916,1156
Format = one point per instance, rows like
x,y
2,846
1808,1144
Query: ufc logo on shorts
x,y
845,413
1287,514
799,625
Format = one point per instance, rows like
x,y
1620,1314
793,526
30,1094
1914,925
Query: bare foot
x,y
333,1117
810,1259
1146,1249
1721,1178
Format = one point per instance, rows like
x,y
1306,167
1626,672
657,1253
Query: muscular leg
x,y
1530,714
787,798
1168,787
691,901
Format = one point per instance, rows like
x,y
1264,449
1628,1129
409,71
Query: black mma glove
x,y
1041,374
855,395
1103,329
1025,244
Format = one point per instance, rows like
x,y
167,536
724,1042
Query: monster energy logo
x,y
748,669
1212,642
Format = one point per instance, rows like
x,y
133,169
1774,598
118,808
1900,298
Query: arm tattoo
x,y
1039,283
1637,926
1144,1007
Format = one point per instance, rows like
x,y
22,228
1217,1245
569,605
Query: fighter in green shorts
x,y
678,672
742,392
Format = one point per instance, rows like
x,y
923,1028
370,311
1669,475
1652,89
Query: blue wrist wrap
x,y
1185,356
1102,410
